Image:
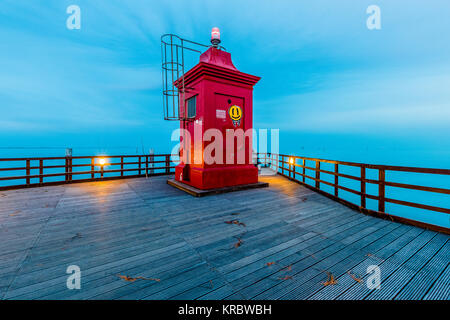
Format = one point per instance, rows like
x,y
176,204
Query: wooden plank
x,y
267,287
392,284
345,280
98,283
441,287
311,280
423,280
92,264
315,266
261,264
248,274
388,260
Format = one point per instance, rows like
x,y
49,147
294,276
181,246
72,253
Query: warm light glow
x,y
291,160
102,161
215,34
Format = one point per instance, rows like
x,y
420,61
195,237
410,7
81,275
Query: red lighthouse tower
x,y
216,123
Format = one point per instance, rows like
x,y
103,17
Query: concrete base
x,y
201,193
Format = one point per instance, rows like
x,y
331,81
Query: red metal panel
x,y
218,86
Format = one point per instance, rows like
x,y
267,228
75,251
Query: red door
x,y
230,115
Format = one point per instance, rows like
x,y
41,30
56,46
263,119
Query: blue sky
x,y
332,87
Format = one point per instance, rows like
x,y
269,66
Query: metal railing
x,y
296,168
176,58
34,172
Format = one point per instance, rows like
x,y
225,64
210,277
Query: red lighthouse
x,y
216,123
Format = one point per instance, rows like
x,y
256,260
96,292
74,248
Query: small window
x,y
191,107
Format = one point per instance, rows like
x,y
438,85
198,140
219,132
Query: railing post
x,y
28,171
41,171
140,165
68,166
121,166
290,167
146,166
381,190
304,170
317,175
336,180
293,173
282,164
66,169
278,160
363,187
92,168
70,169
167,164
152,160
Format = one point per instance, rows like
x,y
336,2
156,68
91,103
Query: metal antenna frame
x,y
173,68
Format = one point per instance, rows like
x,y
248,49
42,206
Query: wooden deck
x,y
291,239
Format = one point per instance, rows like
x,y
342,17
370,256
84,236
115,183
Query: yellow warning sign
x,y
235,113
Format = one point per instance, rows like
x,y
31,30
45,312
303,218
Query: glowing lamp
x,y
291,160
215,36
215,33
102,161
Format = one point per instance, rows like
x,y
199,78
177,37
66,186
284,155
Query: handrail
x,y
42,171
37,171
287,165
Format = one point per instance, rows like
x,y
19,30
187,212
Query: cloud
x,y
374,101
322,69
56,84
